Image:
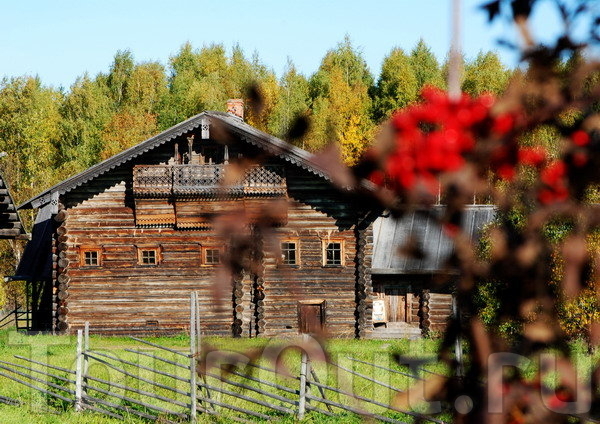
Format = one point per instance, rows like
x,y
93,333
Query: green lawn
x,y
60,351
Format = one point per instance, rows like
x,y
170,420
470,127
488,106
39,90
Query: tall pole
x,y
455,61
79,373
193,359
454,92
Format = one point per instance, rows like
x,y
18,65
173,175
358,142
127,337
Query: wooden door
x,y
310,318
395,302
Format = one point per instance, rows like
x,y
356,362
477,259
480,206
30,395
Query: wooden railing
x,y
17,317
205,180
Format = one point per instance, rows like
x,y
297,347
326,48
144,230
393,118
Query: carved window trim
x,y
331,260
90,257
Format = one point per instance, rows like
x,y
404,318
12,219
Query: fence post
x,y
193,359
86,348
303,372
458,343
79,373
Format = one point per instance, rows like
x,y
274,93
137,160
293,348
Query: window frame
x,y
82,258
157,255
325,244
204,257
281,261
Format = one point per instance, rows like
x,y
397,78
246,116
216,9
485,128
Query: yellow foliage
x,y
578,313
126,129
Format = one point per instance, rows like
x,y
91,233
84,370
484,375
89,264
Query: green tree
x,y
136,119
485,74
426,67
147,86
340,102
29,127
119,75
198,82
85,112
397,85
292,102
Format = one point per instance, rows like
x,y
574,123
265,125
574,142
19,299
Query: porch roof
x,y
389,234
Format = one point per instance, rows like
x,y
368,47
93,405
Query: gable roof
x,y
235,125
390,233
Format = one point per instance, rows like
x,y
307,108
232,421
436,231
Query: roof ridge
x,y
247,132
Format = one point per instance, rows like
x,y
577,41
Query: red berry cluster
x,y
436,135
433,137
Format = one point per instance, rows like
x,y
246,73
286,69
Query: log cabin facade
x,y
123,244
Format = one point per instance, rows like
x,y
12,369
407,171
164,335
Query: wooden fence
x,y
175,390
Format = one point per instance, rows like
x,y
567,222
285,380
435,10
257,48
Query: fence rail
x,y
175,389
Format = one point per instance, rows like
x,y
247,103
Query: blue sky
x,y
61,39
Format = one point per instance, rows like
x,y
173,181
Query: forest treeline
x,y
50,134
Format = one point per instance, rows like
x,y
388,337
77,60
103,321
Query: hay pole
x,y
235,408
39,380
251,399
46,365
123,408
258,380
102,411
321,390
163,373
10,401
58,377
376,403
356,411
254,389
145,380
135,401
160,347
166,361
39,389
139,391
366,377
385,368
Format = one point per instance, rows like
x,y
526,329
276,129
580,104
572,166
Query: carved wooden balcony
x,y
206,181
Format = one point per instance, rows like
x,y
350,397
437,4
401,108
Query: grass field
x,y
60,351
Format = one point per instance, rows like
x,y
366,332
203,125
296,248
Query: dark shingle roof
x,y
389,234
247,133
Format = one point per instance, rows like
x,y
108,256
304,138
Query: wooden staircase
x,y
396,330
20,318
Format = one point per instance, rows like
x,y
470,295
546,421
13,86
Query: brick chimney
x,y
236,107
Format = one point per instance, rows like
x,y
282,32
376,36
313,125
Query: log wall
x,y
121,296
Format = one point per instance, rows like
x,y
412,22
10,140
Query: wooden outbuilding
x,y
416,292
123,243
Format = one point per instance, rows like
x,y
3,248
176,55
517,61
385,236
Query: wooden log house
x,y
123,243
417,292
